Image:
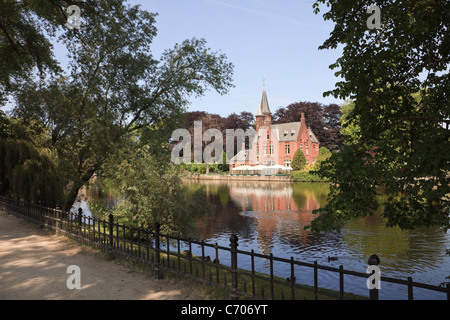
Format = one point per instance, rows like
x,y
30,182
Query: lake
x,y
269,217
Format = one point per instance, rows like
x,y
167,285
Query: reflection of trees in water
x,y
422,247
303,191
274,211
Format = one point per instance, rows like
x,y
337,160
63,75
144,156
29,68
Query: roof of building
x,y
286,131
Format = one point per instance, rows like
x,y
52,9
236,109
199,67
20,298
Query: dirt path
x,y
33,265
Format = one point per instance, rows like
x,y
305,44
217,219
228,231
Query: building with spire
x,y
276,144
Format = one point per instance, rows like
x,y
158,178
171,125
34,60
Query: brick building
x,y
276,144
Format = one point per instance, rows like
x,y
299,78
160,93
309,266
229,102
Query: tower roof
x,y
264,105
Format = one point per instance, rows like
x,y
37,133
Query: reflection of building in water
x,y
277,211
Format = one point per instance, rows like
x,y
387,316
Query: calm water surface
x,y
269,217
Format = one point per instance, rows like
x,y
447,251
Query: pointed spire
x,y
264,105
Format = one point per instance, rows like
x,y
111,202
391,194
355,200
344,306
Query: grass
x,y
259,286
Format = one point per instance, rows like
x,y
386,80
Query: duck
x,y
207,258
332,258
187,253
216,261
289,279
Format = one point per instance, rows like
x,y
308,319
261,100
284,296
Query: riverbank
x,y
219,177
200,177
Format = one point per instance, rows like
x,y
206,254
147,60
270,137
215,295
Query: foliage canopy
x,y
398,79
114,87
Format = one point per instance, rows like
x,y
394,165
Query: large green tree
x,y
115,87
398,79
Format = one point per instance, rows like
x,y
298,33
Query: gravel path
x,y
33,266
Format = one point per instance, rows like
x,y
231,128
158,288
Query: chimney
x,y
303,128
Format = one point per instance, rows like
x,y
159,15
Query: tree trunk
x,y
73,193
72,196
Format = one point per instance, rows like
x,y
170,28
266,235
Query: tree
x,y
350,129
299,160
116,88
234,121
224,167
28,168
152,192
398,79
324,155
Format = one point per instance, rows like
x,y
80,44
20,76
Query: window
x,y
264,150
287,149
271,149
287,163
307,152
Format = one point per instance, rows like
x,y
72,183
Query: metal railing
x,y
188,257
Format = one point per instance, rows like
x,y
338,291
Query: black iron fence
x,y
215,265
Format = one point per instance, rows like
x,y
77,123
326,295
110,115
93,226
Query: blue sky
x,y
275,40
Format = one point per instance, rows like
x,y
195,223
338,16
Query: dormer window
x,y
293,133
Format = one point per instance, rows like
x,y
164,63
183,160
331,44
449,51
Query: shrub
x,y
299,160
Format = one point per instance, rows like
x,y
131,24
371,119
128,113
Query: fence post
x,y
374,261
316,281
410,289
80,228
157,249
341,282
234,281
111,237
80,215
448,291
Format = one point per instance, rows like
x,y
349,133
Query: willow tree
x,y
395,68
29,171
115,87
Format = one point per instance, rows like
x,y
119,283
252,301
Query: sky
x,y
265,39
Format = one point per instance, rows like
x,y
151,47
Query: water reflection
x,y
270,218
